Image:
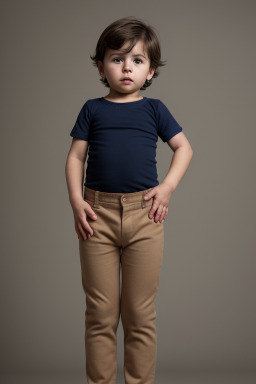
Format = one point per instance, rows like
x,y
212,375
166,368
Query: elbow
x,y
190,150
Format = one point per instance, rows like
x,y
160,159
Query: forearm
x,y
74,171
179,165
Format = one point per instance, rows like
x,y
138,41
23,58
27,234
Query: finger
x,y
166,213
83,234
80,232
150,194
90,212
161,218
158,213
87,227
153,210
77,231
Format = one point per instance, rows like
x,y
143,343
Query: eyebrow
x,y
138,54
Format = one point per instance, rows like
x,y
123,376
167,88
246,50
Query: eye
x,y
116,58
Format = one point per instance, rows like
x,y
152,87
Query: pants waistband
x,y
118,197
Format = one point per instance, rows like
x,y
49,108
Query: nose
x,y
126,66
126,69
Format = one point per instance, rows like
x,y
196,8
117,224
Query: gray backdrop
x,y
206,301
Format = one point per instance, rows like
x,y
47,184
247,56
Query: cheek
x,y
114,71
143,72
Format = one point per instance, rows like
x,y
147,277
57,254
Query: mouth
x,y
127,80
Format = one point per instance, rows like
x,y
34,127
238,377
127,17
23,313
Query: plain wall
x,y
205,306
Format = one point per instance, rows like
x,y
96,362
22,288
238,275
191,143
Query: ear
x,y
151,73
101,68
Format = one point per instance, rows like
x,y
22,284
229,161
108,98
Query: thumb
x,y
150,194
90,212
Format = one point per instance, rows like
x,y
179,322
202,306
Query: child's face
x,y
117,65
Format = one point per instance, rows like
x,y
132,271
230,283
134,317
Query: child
x,y
119,216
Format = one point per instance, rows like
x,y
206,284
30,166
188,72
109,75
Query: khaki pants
x,y
123,235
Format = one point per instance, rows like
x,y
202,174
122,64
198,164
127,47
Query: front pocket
x,y
153,218
91,203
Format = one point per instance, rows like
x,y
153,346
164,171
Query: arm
x,y
181,159
180,162
74,171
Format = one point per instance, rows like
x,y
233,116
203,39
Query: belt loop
x,y
143,202
96,199
143,205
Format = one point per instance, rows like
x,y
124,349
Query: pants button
x,y
124,199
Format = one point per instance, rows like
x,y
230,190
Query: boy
x,y
113,218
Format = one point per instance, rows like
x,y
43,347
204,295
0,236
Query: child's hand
x,y
161,195
81,210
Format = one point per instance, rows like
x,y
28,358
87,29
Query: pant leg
x,y
141,263
100,267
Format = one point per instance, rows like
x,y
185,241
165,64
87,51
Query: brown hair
x,y
129,29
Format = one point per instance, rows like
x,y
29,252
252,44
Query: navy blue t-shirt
x,y
122,141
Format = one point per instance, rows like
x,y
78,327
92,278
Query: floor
x,y
172,378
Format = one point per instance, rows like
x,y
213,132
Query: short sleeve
x,y
81,128
167,126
